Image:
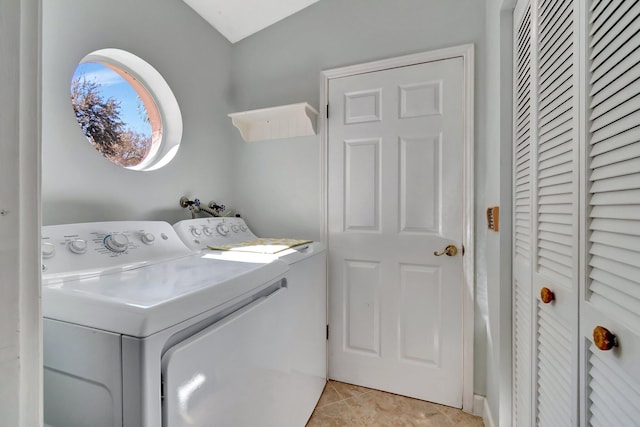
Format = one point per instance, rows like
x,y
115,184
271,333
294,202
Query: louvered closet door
x,y
611,297
546,208
522,292
556,220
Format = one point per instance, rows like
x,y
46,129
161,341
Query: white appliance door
x,y
233,372
307,343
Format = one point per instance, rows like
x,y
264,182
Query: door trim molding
x,y
21,219
466,52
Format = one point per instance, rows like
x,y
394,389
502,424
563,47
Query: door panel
x,y
556,207
362,304
420,314
546,213
611,295
522,225
362,184
395,180
583,165
419,184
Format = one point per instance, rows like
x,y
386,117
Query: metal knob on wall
x,y
195,206
217,208
186,203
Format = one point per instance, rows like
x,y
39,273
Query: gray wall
x,y
497,181
278,182
78,184
275,184
282,65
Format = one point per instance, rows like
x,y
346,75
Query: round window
x,y
126,109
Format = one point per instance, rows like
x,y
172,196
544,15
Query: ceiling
x,y
237,19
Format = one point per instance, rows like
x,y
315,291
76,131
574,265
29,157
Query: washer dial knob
x,y
48,250
116,242
196,232
78,246
243,227
222,229
207,230
235,228
148,238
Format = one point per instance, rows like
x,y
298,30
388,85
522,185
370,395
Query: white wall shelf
x,y
285,121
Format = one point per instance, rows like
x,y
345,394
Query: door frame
x,y
20,212
466,52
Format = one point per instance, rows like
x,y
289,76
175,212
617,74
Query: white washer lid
x,y
146,300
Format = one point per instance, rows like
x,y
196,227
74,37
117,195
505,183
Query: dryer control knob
x,y
222,229
208,230
78,246
48,250
148,238
116,242
235,228
243,227
196,232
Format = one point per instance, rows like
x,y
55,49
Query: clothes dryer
x,y
140,331
306,328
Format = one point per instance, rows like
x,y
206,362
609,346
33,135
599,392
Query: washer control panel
x,y
100,247
199,233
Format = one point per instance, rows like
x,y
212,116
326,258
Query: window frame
x,y
162,152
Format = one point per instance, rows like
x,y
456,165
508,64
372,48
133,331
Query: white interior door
x,y
522,293
546,211
610,298
395,194
556,210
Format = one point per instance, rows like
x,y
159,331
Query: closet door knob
x,y
603,339
547,295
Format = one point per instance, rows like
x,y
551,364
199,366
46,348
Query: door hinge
x,y
327,332
327,111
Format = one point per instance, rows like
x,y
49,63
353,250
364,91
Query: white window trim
x,y
162,95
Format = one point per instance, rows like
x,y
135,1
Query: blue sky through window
x,y
132,111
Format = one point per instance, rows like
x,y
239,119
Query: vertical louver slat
x,y
556,146
554,370
522,187
523,140
522,353
614,163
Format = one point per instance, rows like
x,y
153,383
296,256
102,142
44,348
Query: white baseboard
x,y
478,405
481,409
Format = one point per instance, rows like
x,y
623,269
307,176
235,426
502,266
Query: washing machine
x,y
306,328
141,331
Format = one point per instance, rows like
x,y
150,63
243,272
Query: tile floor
x,y
349,405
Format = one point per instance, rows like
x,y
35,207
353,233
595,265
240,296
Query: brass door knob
x,y
604,339
547,295
450,250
